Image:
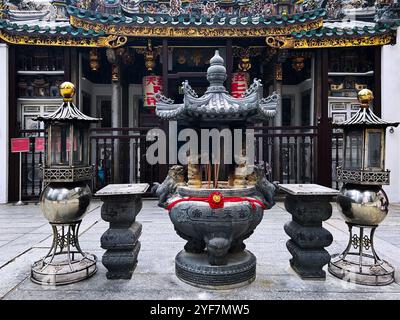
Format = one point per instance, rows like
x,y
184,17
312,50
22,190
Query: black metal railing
x,y
119,156
288,151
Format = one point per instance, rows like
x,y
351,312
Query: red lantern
x,y
239,84
151,86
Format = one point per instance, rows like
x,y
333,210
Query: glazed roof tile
x,y
187,20
30,27
334,30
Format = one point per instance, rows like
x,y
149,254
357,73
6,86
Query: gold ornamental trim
x,y
64,41
180,32
281,42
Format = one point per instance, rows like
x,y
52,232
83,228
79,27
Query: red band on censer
x,y
220,201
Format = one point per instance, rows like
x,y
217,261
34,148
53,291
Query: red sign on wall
x,y
151,86
39,144
239,84
19,145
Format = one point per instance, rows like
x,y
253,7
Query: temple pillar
x,y
116,123
4,138
115,108
276,167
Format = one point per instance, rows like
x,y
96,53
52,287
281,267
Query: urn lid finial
x,y
365,96
216,72
67,91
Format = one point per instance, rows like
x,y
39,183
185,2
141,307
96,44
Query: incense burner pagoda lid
x,y
217,104
364,116
67,112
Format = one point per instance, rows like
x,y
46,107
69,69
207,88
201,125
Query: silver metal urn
x,y
362,201
66,194
65,203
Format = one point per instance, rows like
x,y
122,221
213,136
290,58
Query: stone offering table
x,y
309,205
122,203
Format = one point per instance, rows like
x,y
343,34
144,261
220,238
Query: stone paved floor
x,y
25,237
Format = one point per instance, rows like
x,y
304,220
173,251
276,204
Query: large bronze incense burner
x,y
216,215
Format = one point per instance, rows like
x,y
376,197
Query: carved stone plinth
x,y
194,269
309,205
121,205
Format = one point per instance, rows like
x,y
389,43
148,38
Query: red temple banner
x,y
239,84
19,145
151,86
39,144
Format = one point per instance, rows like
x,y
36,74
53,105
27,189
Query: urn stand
x,y
362,265
121,204
309,205
363,208
65,262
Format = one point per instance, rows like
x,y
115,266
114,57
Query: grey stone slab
x,y
2,243
16,230
15,272
122,189
307,190
7,237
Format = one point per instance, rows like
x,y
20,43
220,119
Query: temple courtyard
x,y
25,236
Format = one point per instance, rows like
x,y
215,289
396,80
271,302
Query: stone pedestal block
x,y
121,205
309,206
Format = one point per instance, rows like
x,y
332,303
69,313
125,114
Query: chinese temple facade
x,y
316,54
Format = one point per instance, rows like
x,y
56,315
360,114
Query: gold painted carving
x,y
327,42
48,41
154,31
112,41
65,41
278,42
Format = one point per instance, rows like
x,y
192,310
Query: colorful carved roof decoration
x,y
193,26
338,35
284,24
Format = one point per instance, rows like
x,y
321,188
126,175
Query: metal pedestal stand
x,y
20,203
362,266
65,262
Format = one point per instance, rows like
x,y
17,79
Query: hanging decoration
x,y
278,72
298,63
94,60
239,83
149,57
241,78
152,84
112,58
